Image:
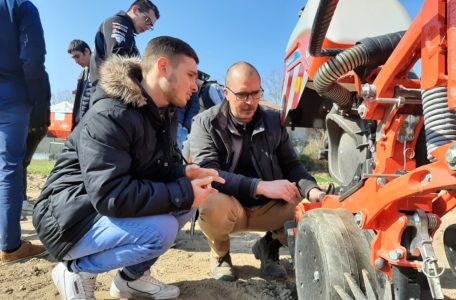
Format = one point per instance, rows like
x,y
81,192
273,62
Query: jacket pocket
x,y
70,209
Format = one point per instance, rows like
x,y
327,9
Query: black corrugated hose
x,y
320,26
369,52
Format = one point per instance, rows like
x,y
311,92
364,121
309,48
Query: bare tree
x,y
273,87
62,96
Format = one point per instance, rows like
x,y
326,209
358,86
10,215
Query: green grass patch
x,y
44,167
41,167
323,178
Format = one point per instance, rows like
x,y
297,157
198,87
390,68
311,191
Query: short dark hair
x,y
167,46
78,45
146,5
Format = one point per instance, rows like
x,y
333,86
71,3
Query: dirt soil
x,y
186,266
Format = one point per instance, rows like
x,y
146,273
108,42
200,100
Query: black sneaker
x,y
267,251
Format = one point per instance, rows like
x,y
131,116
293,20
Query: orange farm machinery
x,y
391,146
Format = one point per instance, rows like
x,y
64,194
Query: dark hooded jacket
x,y
120,161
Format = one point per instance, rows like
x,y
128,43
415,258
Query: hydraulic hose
x,y
320,26
369,52
325,80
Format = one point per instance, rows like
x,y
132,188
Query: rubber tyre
x,y
323,254
361,241
449,242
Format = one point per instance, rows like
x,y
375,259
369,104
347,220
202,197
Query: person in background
x,y
80,52
209,94
116,36
264,178
24,86
185,116
119,192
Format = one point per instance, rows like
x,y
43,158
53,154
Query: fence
x,y
48,149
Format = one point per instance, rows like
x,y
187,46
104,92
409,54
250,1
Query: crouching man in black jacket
x,y
119,193
253,153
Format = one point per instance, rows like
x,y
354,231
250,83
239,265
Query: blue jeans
x,y
14,120
133,243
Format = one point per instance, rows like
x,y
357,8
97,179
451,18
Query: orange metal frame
x,y
431,37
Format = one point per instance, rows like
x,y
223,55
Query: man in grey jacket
x,y
253,153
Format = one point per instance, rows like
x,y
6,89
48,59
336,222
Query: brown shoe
x,y
222,268
25,251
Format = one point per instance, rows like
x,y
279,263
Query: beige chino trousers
x,y
222,215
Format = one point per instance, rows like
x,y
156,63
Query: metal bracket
x,y
423,242
407,131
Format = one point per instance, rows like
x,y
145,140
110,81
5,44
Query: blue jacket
x,y
22,58
186,114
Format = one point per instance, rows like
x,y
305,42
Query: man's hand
x,y
193,171
202,188
279,189
315,195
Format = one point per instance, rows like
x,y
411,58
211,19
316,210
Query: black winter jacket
x,y
120,161
216,143
82,97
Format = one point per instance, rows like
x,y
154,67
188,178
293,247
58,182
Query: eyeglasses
x,y
148,21
244,96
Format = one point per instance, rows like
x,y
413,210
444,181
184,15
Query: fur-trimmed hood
x,y
120,78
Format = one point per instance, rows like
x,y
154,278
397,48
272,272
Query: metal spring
x,y
439,121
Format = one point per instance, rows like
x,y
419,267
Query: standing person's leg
x,y
34,137
131,243
14,115
13,131
220,216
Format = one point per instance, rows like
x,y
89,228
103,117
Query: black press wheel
x,y
449,242
323,254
